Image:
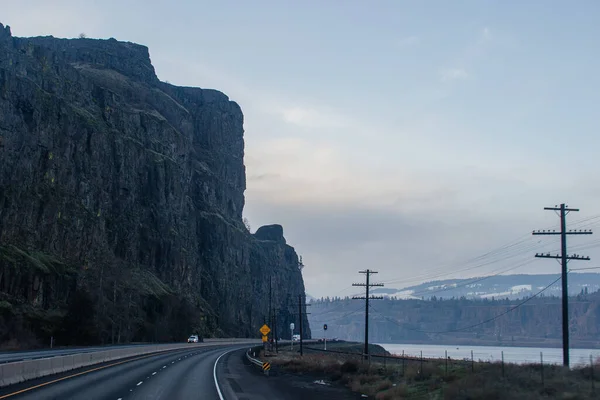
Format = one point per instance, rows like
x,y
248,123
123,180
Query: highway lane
x,y
180,374
12,356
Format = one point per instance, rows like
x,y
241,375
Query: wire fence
x,y
543,372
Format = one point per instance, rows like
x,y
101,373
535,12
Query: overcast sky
x,y
398,136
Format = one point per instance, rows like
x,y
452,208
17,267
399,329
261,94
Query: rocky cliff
x,y
121,202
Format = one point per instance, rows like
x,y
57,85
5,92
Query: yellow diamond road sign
x,y
265,329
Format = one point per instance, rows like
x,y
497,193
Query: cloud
x,y
298,171
486,33
468,56
264,102
342,212
312,118
322,173
453,74
338,240
409,41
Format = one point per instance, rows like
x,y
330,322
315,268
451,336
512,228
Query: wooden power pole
x,y
300,315
367,285
564,259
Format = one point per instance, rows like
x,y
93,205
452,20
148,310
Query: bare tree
x,y
82,35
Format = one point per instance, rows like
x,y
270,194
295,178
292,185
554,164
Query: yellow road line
x,y
74,375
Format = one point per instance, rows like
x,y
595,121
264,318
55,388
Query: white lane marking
x,y
215,374
154,373
139,383
172,362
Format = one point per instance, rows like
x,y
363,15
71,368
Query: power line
x,y
522,247
522,251
343,316
594,217
586,246
565,258
494,252
475,280
367,286
330,311
515,244
480,323
444,266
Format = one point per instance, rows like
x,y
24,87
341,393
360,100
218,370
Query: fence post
x,y
446,357
542,367
592,373
403,362
503,363
472,362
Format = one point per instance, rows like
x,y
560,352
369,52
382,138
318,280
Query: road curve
x,y
219,372
179,374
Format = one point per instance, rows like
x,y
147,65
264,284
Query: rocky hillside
x,y
121,202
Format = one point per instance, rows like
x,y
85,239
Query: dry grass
x,y
430,380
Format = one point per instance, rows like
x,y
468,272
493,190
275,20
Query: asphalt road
x,y
212,373
178,374
12,356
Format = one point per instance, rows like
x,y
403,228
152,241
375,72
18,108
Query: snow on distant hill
x,y
501,286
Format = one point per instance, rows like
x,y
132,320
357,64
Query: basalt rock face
x,y
121,202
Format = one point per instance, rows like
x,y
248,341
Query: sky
x,y
410,138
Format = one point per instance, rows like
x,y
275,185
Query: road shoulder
x,y
239,379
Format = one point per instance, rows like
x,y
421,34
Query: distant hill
x,y
501,286
462,321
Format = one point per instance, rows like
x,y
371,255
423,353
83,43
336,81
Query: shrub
x,y
349,367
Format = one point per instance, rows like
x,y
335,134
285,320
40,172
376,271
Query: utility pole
x,y
367,285
275,312
300,314
271,309
564,257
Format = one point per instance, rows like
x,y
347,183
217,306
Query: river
x,y
517,355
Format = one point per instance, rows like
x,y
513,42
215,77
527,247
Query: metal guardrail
x,y
265,366
253,360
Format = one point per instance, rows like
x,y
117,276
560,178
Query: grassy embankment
x,y
392,378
